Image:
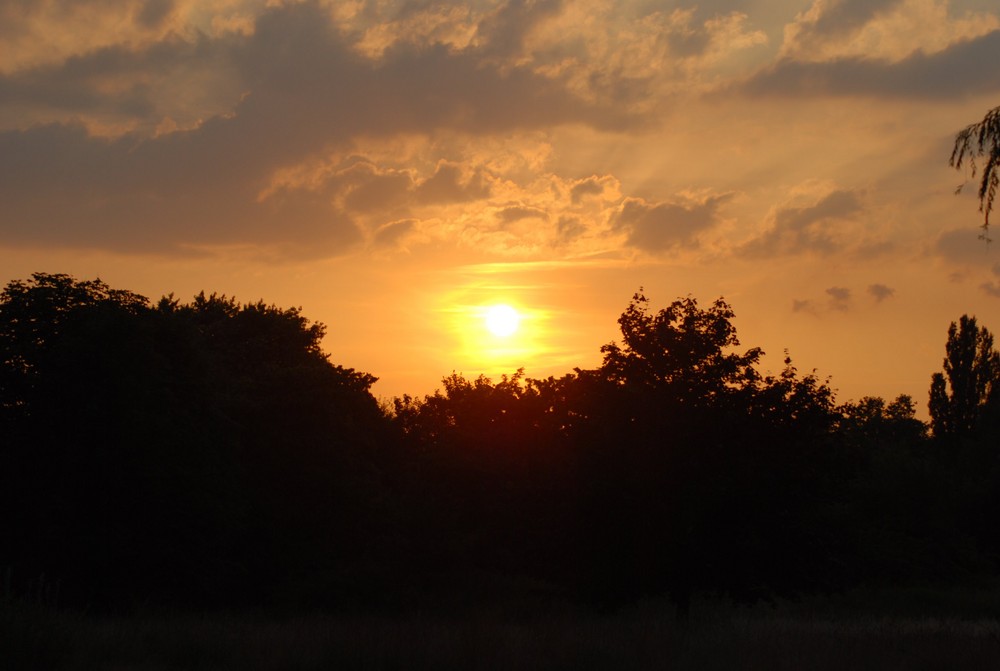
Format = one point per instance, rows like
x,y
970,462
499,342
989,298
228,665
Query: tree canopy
x,y
209,453
970,382
166,451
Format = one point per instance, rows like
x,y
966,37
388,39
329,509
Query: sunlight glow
x,y
502,320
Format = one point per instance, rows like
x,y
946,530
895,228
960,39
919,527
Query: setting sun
x,y
502,320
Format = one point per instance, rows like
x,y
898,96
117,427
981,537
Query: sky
x,y
394,168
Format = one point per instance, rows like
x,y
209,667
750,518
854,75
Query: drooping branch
x,y
978,141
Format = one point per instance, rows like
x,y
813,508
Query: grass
x,y
645,637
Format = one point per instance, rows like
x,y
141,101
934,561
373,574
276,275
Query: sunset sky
x,y
396,167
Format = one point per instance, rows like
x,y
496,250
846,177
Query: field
x,y
822,635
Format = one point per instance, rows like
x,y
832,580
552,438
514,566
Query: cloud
x,y
840,298
131,88
962,69
154,13
881,30
307,93
964,246
880,292
658,227
592,186
991,289
504,31
829,19
810,229
379,192
804,305
569,227
450,183
514,213
392,234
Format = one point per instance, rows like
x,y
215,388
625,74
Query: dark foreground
x,y
828,635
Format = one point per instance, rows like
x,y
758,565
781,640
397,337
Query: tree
x,y
35,314
976,141
682,348
970,382
702,474
872,425
172,452
485,473
964,405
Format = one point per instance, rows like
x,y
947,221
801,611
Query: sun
x,y
502,320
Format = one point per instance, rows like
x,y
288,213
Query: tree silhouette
x,y
977,141
701,473
970,381
681,350
170,453
209,453
487,480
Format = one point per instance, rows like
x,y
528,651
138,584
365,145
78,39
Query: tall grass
x,y
647,637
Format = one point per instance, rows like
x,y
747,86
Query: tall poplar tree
x,y
970,381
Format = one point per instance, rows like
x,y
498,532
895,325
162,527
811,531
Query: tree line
x,y
209,454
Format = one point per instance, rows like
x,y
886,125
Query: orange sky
x,y
392,167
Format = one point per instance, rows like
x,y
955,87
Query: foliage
x,y
209,454
169,452
978,140
486,477
871,424
970,382
681,348
710,452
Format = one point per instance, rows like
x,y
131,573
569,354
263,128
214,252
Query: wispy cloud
x,y
811,228
960,70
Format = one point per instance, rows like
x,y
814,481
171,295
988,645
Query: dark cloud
x,y
964,246
965,68
372,190
503,32
990,289
806,229
72,190
307,93
449,184
840,298
685,42
803,305
514,213
880,292
663,226
588,187
124,83
154,12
